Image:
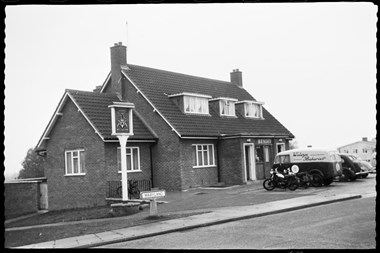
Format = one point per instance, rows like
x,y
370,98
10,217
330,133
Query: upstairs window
x,y
227,108
253,110
193,103
74,162
196,105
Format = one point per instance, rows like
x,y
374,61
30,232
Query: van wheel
x,y
316,180
328,181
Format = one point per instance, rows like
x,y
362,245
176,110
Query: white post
x,y
123,155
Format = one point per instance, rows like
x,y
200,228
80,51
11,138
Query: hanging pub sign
x,y
122,118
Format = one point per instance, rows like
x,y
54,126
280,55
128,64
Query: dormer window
x,y
193,103
226,106
253,109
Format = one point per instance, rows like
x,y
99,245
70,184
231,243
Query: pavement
x,y
243,202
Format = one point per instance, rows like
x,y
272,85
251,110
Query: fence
x,y
114,188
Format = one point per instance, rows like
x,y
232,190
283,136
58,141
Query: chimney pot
x,y
365,139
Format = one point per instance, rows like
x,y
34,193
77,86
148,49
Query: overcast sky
x,y
313,64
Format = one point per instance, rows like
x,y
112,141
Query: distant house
x,y
189,131
363,148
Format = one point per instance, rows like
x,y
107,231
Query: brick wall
x,y
20,198
231,161
72,131
111,167
166,152
194,177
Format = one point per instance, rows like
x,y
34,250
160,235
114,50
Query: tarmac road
x,y
227,205
342,225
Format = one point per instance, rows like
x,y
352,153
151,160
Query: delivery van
x,y
323,164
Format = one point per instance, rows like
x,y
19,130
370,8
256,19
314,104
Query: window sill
x,y
130,171
258,118
197,114
201,167
228,116
75,175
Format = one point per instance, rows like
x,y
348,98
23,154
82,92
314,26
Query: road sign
x,y
152,194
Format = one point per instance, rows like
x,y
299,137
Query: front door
x,y
249,165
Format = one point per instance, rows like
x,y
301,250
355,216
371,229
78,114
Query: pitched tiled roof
x,y
156,85
95,106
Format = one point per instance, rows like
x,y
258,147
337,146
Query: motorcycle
x,y
281,181
304,179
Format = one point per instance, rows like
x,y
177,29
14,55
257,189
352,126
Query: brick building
x,y
364,148
189,131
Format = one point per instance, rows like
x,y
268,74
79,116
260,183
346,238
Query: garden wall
x,y
20,198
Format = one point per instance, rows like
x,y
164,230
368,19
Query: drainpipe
x,y
151,163
217,158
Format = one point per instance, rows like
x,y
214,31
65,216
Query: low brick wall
x,y
20,198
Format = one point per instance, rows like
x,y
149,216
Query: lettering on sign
x,y
152,194
264,141
308,157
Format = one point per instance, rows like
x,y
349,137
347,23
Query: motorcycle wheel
x,y
316,180
293,185
306,184
268,184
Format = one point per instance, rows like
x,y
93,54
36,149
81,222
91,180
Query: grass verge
x,y
89,224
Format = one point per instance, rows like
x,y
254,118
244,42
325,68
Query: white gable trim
x,y
154,108
104,85
57,113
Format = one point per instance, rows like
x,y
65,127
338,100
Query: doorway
x,y
249,162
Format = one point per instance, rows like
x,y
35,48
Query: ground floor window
x,y
203,155
280,147
259,154
133,159
74,162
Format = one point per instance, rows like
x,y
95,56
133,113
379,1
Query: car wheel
x,y
365,175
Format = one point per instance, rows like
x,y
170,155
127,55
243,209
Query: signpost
x,y
152,196
122,127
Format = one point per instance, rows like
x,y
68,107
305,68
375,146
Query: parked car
x,y
351,168
322,164
364,165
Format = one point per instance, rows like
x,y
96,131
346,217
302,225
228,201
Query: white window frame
x,y
228,105
193,103
129,152
200,148
249,109
81,171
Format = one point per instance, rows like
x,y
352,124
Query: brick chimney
x,y
365,139
236,77
118,59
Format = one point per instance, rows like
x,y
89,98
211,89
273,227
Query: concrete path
x,y
217,216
